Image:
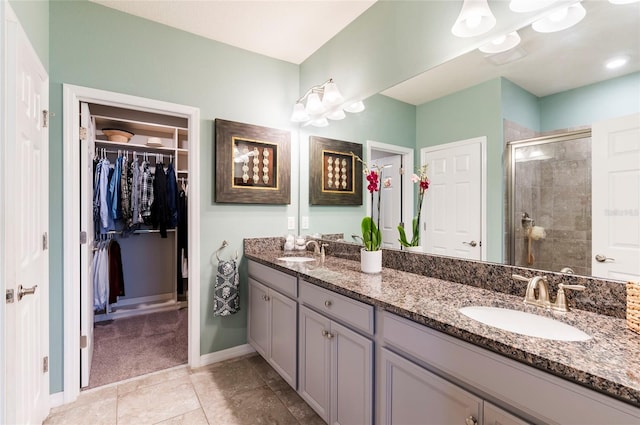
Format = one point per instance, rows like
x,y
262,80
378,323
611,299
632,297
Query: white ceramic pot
x,y
371,261
414,248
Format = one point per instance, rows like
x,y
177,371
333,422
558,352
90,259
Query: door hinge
x,y
83,341
401,171
83,133
83,238
45,364
9,296
45,241
45,118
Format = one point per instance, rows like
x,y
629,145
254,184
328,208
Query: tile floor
x,y
235,392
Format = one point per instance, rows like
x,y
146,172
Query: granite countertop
x,y
609,362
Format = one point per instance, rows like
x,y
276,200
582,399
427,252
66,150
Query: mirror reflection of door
x,y
616,198
390,199
452,218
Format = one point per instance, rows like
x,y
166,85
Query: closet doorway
x,y
155,298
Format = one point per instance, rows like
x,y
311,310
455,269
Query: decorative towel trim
x,y
226,297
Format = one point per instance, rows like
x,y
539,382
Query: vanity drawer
x,y
275,279
351,312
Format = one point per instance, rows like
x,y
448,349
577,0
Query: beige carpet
x,y
133,346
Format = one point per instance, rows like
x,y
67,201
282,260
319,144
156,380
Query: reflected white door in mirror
x,y
616,198
454,208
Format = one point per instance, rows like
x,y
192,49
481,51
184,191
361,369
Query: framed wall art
x,y
253,164
335,175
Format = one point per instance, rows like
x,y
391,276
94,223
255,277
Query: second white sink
x,y
524,323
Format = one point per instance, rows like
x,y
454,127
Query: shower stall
x,y
548,214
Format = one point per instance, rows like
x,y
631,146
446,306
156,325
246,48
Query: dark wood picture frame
x,y
335,175
253,164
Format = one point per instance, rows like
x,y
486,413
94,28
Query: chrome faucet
x,y
539,283
316,247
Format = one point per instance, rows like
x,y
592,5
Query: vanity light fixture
x,y
502,43
623,1
560,19
322,103
475,19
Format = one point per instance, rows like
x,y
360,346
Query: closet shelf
x,y
133,147
138,232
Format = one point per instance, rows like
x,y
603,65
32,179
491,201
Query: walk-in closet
x,y
135,298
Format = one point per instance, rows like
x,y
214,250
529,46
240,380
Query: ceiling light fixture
x,y
502,43
560,19
475,19
525,6
322,102
623,1
616,63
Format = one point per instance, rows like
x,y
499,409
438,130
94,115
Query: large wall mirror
x,y
532,83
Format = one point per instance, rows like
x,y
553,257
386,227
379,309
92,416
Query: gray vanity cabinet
x,y
272,320
336,362
412,395
493,415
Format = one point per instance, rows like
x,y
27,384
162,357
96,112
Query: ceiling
x,y
289,30
292,30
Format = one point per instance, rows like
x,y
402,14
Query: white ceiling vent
x,y
506,57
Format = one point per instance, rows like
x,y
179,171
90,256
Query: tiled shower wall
x,y
555,190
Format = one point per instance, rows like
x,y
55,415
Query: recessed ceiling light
x,y
616,62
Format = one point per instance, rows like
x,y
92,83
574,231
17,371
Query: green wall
x,y
384,120
520,106
595,102
469,113
34,18
98,47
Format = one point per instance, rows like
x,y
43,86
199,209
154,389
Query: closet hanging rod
x,y
136,232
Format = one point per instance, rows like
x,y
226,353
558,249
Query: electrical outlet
x,y
305,222
291,223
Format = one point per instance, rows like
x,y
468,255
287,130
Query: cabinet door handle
x,y
265,297
327,303
327,334
324,333
471,421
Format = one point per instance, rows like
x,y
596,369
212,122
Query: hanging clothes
x,y
125,192
114,189
160,206
172,196
226,298
101,205
182,240
100,276
135,191
116,278
146,193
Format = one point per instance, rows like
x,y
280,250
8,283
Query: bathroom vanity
x,y
393,348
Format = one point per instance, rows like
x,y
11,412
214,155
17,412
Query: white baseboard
x,y
56,399
229,353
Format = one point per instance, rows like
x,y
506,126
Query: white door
x,y
390,200
616,198
452,216
86,253
26,229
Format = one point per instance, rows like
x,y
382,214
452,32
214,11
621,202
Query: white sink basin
x,y
524,323
295,259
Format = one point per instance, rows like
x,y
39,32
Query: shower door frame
x,y
510,160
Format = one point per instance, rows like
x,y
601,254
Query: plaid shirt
x,y
146,190
125,191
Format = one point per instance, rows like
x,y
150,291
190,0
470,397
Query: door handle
x,y
472,244
22,291
601,258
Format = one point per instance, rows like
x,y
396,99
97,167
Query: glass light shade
x,y
355,107
299,114
502,44
314,105
623,1
320,122
336,114
475,19
616,63
561,19
331,96
524,6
